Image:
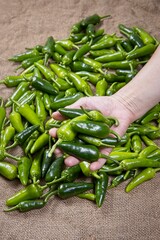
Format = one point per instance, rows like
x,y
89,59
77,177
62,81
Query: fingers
x,y
98,164
71,161
53,132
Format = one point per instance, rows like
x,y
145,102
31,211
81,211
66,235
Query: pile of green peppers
x,y
52,76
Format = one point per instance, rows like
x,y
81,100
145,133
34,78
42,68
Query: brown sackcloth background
x,y
132,216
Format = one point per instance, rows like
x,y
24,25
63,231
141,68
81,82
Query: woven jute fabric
x,y
123,216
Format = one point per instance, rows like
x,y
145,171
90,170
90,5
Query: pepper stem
x,y
50,194
114,169
54,147
11,156
2,81
11,209
116,134
109,158
11,146
56,181
157,169
106,16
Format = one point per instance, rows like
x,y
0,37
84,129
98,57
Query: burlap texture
x,y
132,216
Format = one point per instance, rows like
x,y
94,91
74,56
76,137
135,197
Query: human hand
x,y
108,106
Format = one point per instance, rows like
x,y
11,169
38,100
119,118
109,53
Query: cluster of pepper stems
x,y
55,75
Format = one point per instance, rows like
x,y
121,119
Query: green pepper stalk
x,y
27,205
8,170
21,137
101,186
4,154
85,167
143,176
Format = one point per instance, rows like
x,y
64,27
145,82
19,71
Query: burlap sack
x,y
132,216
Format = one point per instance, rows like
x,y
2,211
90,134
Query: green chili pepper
x,y
63,102
68,57
40,108
76,37
40,142
149,117
141,129
28,62
155,153
101,188
83,152
126,44
48,49
2,114
30,192
16,121
55,169
94,141
22,56
141,52
76,28
46,162
27,97
102,52
109,166
92,77
92,128
47,102
80,84
12,81
143,176
57,57
8,135
8,170
117,56
145,36
61,72
20,90
27,205
35,169
154,134
119,156
59,49
26,111
81,51
70,92
131,35
90,30
24,165
147,150
147,141
43,85
81,66
67,44
97,66
21,137
85,167
93,19
136,143
125,64
107,42
89,196
101,87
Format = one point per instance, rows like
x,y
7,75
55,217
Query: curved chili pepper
x,y
85,167
28,62
70,92
92,128
20,90
40,142
27,205
94,141
62,84
80,84
22,56
102,52
147,150
149,117
93,19
81,51
92,77
67,44
57,57
30,192
90,30
101,87
8,135
61,72
89,196
24,165
40,108
16,121
136,143
106,42
59,49
81,66
111,57
46,162
21,137
35,169
143,176
63,102
27,97
55,169
76,37
147,141
97,66
8,170
109,166
126,44
155,153
141,52
119,156
101,185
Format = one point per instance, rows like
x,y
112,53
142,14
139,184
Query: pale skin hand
x,y
127,105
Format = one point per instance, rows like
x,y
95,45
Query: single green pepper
x,y
22,56
12,81
111,57
7,136
95,141
92,77
16,121
2,114
107,42
8,170
61,72
40,142
24,165
93,19
143,176
136,143
81,51
81,66
101,87
46,162
35,169
85,167
141,52
59,49
40,108
89,196
145,36
68,57
28,62
27,205
70,92
67,44
48,49
101,188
